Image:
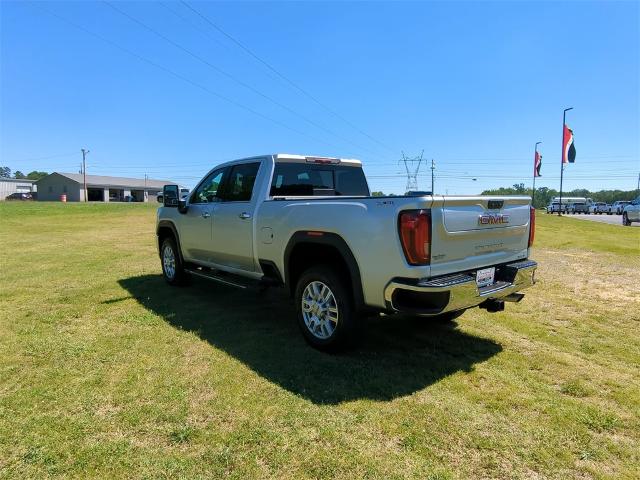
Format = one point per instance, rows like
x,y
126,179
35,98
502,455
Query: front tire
x,y
625,220
172,267
325,311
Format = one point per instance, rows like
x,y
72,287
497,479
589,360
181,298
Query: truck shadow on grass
x,y
397,357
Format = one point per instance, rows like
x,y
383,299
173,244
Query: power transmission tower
x,y
84,171
412,166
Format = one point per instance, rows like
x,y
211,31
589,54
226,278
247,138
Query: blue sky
x,y
474,85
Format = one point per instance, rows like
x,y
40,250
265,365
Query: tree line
x,y
544,195
5,172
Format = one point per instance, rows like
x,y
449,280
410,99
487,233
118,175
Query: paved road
x,y
611,219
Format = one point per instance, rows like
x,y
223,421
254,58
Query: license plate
x,y
485,277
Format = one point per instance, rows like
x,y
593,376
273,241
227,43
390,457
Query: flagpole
x,y
535,170
564,121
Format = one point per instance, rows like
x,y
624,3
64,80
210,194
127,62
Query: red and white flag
x,y
568,149
537,165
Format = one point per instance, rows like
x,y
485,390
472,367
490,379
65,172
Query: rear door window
x,y
239,186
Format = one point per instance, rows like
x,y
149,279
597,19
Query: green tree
x,y
18,174
5,172
36,175
377,194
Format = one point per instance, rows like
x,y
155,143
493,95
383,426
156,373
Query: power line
x,y
234,78
179,76
57,155
283,77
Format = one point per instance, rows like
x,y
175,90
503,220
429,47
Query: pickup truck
x,y
309,224
554,207
631,212
598,208
578,207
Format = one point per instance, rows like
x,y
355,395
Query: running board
x,y
220,277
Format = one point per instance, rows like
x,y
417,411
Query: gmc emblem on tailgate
x,y
492,219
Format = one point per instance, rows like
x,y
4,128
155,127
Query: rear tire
x,y
172,267
325,311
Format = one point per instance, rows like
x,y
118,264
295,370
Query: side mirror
x,y
170,195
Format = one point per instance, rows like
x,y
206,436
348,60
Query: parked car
x,y
310,225
417,193
554,207
578,207
183,194
617,207
20,196
631,212
599,208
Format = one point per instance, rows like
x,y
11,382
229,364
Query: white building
x,y
99,188
14,185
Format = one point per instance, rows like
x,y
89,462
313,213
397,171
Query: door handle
x,y
244,215
206,214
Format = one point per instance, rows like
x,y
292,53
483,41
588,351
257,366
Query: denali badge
x,y
492,218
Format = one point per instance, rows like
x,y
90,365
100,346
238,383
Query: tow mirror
x,y
170,195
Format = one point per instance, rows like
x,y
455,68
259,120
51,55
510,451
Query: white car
x,y
617,207
631,212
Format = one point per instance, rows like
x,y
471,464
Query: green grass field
x,y
107,372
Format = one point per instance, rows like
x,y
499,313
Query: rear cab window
x,y
308,179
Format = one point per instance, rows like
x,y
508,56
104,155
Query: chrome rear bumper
x,y
457,291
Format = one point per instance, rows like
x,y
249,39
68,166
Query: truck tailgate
x,y
474,232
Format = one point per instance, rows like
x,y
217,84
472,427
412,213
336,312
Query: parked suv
x,y
631,212
617,207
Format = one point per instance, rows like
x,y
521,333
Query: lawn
x,y
107,372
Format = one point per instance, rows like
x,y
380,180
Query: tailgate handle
x,y
495,204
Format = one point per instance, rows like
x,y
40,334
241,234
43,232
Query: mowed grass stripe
x,y
107,372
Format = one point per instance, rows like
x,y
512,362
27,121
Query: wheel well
x,y
307,254
163,233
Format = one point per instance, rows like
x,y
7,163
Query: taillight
x,y
532,226
415,235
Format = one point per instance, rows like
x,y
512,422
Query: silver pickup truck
x,y
310,225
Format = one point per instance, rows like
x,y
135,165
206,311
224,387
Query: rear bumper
x,y
456,291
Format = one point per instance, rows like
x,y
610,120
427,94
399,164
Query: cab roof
x,y
291,158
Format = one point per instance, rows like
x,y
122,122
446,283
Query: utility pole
x,y
433,167
564,121
84,172
412,172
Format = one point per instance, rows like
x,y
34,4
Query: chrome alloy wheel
x,y
169,262
319,310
